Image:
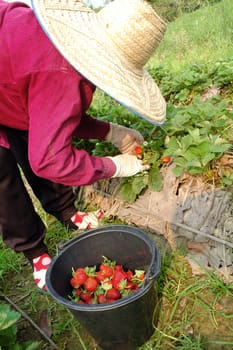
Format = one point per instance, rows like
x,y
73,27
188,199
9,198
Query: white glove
x,y
125,139
127,165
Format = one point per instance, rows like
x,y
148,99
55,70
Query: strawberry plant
x,y
104,284
8,331
196,134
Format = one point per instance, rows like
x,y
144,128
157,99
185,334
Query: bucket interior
x,y
126,245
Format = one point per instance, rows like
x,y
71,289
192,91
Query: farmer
x,y
52,57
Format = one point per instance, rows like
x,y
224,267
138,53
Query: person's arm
x,y
55,112
91,128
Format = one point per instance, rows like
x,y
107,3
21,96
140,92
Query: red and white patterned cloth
x,y
40,266
87,220
83,220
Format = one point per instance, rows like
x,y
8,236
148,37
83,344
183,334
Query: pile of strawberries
x,y
107,283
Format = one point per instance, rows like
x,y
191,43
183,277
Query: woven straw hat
x,y
109,48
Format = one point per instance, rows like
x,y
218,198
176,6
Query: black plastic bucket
x,y
128,322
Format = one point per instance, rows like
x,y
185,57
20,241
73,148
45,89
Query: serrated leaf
x,y
138,184
151,158
178,171
155,180
186,141
207,158
126,192
219,148
180,161
180,120
195,170
172,146
7,316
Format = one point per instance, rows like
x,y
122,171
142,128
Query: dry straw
x,y
110,48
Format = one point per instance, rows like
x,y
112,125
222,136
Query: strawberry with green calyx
x,y
138,277
85,296
104,284
90,271
131,286
108,262
105,272
90,284
78,277
119,276
106,269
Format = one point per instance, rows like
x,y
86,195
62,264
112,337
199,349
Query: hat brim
x,y
79,37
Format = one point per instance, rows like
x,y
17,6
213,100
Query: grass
x,y
195,310
205,35
186,303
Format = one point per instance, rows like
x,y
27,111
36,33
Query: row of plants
x,y
197,133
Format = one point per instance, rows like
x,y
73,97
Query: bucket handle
x,y
155,273
152,272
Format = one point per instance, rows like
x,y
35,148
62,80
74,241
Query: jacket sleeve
x,y
91,128
55,112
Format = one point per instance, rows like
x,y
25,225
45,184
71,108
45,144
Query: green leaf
x,y
172,146
195,170
207,158
7,317
219,148
126,192
152,157
155,180
178,171
139,183
186,141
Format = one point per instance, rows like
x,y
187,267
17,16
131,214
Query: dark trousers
x,y
21,227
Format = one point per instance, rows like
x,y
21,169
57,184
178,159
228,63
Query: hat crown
x,y
134,28
109,48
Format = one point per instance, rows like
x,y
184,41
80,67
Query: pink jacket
x,y
40,92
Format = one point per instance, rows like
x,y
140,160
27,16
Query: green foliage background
x,y
171,9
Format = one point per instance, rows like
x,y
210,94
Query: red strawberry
x,y
129,275
80,270
138,150
79,277
90,284
106,270
113,294
118,268
91,301
85,297
78,292
166,159
131,285
99,276
75,283
119,276
101,299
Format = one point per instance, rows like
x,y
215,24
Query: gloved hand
x,y
127,165
125,139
